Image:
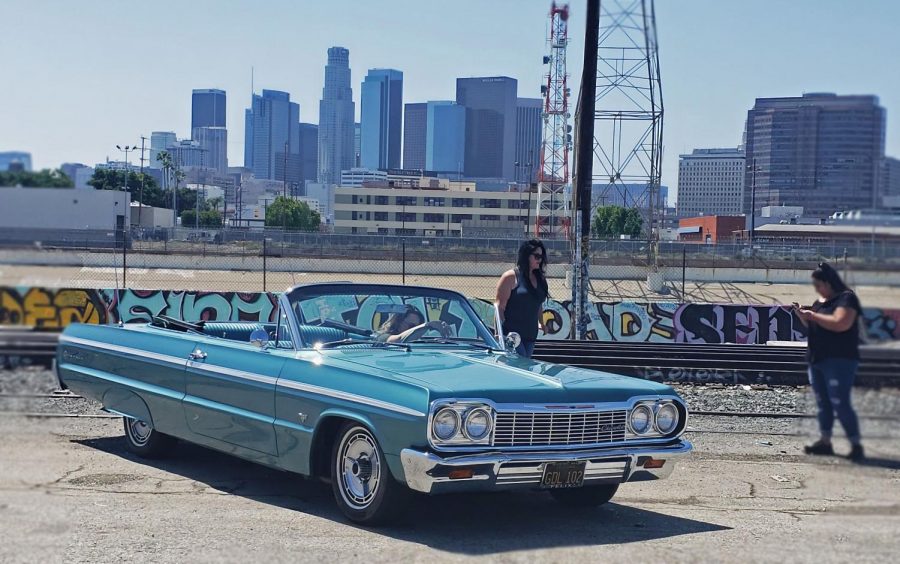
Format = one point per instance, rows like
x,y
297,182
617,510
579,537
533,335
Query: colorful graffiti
x,y
661,322
47,308
741,324
142,305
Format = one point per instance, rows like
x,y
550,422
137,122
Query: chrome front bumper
x,y
429,473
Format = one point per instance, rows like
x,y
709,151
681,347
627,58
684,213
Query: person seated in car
x,y
409,325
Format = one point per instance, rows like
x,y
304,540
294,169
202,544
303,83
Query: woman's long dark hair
x,y
526,249
827,274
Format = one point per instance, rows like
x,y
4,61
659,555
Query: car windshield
x,y
360,313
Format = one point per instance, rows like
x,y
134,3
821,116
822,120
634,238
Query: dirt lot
x,y
69,491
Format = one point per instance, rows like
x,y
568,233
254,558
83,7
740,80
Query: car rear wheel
x,y
143,440
362,484
588,496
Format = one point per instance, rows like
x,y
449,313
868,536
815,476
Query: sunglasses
x,y
539,256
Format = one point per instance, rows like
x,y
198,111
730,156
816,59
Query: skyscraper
x,y
273,136
711,182
207,108
445,138
529,124
337,115
214,142
160,141
490,104
16,158
415,121
309,152
819,151
381,108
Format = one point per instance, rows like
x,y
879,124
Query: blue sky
x,y
83,76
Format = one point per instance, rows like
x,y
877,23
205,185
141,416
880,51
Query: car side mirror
x,y
513,340
259,338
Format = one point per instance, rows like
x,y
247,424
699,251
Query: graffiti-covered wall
x,y
663,322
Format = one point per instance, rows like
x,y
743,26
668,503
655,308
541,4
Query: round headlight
x,y
478,424
445,424
641,419
666,418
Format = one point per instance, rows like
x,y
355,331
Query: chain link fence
x,y
271,260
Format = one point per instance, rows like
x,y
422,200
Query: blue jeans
x,y
832,381
525,348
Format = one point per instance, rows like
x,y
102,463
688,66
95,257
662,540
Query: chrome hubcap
x,y
359,469
139,432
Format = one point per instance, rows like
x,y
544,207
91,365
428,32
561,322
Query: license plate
x,y
563,475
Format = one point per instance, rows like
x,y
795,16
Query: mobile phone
x,y
796,305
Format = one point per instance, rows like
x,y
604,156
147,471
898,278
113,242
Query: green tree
x,y
613,221
210,218
187,201
188,218
36,179
292,214
152,194
214,203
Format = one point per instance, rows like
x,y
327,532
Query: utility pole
x,y
141,196
584,162
752,202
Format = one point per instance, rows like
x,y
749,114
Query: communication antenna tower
x,y
551,213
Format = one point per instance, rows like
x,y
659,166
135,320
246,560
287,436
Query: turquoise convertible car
x,y
381,390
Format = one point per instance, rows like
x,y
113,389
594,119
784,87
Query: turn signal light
x,y
461,474
654,463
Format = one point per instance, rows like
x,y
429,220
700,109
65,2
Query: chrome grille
x,y
558,428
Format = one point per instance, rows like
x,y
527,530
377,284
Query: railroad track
x,y
700,363
664,362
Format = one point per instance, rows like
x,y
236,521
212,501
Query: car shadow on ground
x,y
471,524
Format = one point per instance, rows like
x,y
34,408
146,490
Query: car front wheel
x,y
144,441
360,479
588,496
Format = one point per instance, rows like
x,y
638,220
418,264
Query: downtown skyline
x,y
706,98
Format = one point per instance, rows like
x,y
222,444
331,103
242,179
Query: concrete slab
x,y
70,492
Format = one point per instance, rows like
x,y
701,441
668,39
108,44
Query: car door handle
x,y
197,354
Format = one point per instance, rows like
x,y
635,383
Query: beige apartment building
x,y
443,208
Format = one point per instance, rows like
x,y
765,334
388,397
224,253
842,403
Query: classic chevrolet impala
x,y
379,390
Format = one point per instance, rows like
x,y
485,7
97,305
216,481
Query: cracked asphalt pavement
x,y
70,492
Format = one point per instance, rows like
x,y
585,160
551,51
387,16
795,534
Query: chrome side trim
x,y
241,374
347,396
63,339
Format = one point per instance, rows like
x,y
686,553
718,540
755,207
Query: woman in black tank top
x,y
521,293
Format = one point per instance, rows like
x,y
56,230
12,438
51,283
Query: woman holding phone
x,y
832,323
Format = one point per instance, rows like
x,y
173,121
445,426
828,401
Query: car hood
x,y
503,378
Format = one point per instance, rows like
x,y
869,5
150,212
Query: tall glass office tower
x,y
490,104
207,108
381,109
819,151
336,118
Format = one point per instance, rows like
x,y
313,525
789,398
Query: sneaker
x,y
856,453
819,448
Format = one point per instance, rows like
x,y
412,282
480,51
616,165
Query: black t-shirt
x,y
823,343
523,309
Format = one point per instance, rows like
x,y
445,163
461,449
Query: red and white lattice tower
x,y
551,213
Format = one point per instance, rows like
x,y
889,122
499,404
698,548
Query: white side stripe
x,y
121,349
349,397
